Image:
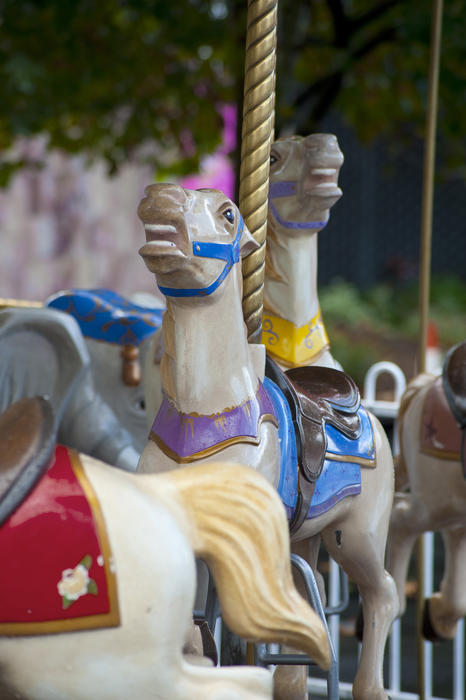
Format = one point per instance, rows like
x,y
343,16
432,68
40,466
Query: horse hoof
x,y
428,631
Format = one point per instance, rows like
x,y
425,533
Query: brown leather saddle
x,y
317,396
27,443
454,384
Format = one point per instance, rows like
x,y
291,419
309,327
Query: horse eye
x,y
229,215
273,159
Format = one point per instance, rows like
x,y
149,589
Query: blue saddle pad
x,y
338,479
105,315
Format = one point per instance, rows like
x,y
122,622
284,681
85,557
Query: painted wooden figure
x,y
43,353
117,333
303,188
303,176
99,572
217,404
432,465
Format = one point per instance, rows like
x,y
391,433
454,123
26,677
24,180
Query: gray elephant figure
x,y
43,352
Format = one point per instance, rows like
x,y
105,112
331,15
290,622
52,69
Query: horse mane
x,y
241,532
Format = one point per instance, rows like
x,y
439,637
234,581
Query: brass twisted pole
x,y
257,136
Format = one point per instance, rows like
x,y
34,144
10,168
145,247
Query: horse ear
x,y
247,244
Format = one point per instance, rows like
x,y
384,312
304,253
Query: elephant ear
x,y
43,354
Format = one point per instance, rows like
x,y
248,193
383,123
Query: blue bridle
x,y
230,252
287,189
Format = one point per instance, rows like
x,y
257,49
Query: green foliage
x,y
119,80
362,324
394,309
139,79
369,60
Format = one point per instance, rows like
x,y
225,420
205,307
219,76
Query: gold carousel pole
x,y
424,280
257,136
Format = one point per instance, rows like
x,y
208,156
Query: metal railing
x,y
317,687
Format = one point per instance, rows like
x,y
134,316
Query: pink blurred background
x,y
69,226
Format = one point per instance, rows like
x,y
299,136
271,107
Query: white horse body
x,y
197,380
208,369
155,525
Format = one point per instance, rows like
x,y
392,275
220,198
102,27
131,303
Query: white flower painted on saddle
x,y
76,582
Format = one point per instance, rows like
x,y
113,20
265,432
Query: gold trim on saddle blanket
x,y
202,454
293,346
362,461
89,622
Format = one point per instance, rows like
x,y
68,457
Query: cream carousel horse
x,y
303,188
218,405
303,176
109,556
432,423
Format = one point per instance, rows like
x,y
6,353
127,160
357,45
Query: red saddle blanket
x,y
56,558
440,434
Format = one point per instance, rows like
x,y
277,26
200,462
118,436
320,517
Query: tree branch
x,y
335,78
374,13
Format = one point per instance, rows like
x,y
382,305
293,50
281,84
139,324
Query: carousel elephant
x,y
118,334
99,574
43,353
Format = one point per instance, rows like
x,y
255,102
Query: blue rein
x,y
288,189
229,252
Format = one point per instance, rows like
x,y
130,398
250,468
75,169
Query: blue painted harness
x,y
230,252
288,189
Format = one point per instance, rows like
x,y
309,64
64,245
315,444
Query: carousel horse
x,y
303,188
303,176
432,426
217,404
43,352
109,556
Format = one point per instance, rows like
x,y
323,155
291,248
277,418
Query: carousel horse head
x,y
303,182
194,238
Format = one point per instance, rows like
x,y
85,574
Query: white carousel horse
x,y
433,465
303,188
43,352
216,406
97,599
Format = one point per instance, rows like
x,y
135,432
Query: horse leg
x,y
360,551
445,608
290,682
406,524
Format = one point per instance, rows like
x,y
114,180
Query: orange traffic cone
x,y
434,358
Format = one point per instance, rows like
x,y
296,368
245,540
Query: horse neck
x,y
207,365
294,296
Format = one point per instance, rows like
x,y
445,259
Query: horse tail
x,y
411,391
239,528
